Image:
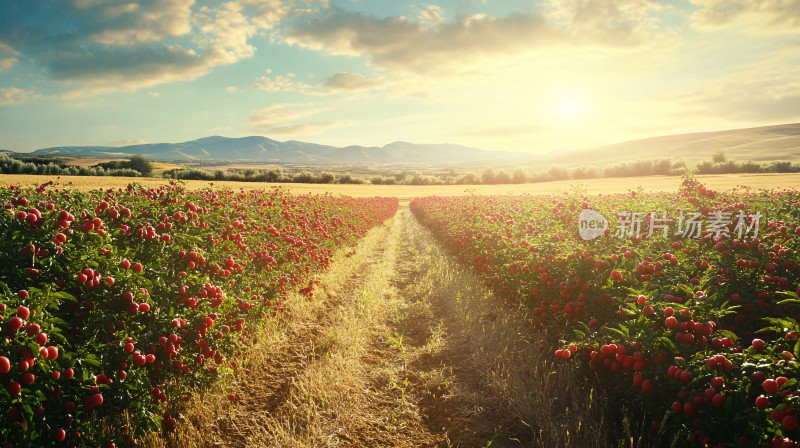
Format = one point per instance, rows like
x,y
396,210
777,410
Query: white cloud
x,y
344,81
289,119
126,24
268,13
128,142
432,14
7,63
398,43
7,60
107,45
778,14
13,95
282,83
226,32
6,49
611,21
113,69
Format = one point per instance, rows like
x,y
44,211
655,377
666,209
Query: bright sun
x,y
569,109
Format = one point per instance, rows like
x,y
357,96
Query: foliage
x,y
699,329
140,163
9,165
116,304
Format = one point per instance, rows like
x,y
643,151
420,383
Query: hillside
x,y
761,144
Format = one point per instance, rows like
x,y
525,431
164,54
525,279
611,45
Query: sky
x,y
534,75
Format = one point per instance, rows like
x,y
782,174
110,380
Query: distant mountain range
x,y
262,149
761,144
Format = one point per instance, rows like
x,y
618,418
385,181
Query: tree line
x,y
139,166
10,165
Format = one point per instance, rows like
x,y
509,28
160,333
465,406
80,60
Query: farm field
x,y
407,192
158,167
411,224
117,306
684,303
288,319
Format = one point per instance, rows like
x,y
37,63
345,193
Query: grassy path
x,y
398,348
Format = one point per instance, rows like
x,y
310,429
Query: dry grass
x,y
333,401
550,404
408,192
89,161
158,167
287,398
242,166
396,350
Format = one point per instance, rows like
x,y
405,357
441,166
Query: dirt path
x,y
379,357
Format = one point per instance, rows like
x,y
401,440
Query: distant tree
x,y
679,167
488,177
782,167
705,167
502,178
539,177
304,177
750,167
662,167
470,179
274,175
348,179
719,157
558,173
585,172
519,177
139,163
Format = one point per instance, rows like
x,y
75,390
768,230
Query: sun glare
x,y
569,109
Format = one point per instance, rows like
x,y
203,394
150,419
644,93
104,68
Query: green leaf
x,y
616,331
27,411
728,334
668,343
63,295
791,294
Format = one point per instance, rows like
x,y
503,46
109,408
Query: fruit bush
x,y
115,305
696,319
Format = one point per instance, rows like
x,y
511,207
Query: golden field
x,y
408,192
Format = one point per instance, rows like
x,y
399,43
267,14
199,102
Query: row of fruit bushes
x,y
115,305
694,319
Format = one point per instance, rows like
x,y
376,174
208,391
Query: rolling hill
x,y
761,144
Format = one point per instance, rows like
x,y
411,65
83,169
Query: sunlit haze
x,y
503,75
